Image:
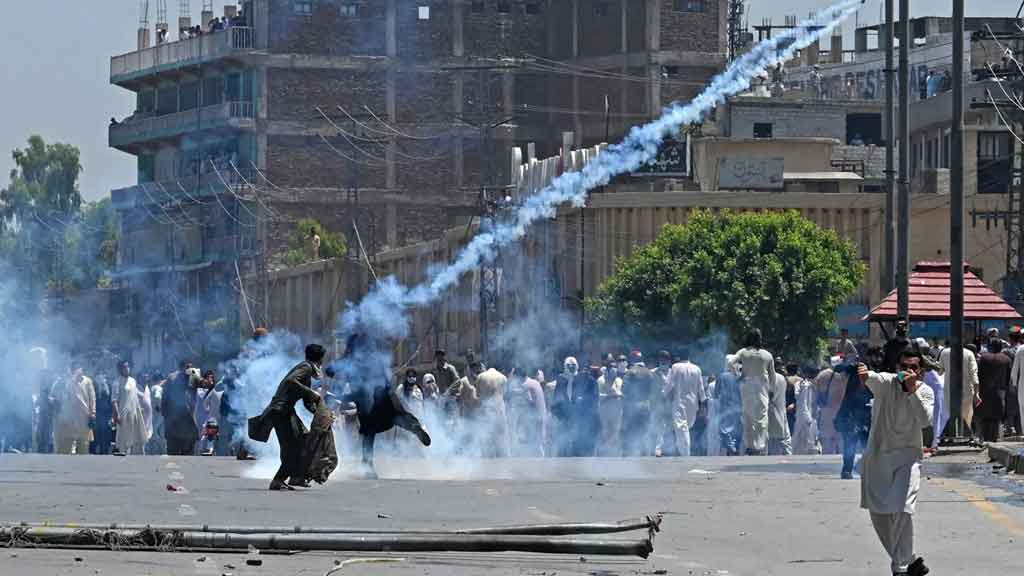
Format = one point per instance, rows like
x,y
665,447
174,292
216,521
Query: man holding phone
x,y
891,465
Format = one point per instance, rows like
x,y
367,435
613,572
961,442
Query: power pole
x,y
903,241
956,224
889,273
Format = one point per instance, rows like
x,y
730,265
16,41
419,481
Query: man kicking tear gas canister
x,y
378,407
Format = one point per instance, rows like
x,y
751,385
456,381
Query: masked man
x,y
892,461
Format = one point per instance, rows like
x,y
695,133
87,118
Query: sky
x,y
56,70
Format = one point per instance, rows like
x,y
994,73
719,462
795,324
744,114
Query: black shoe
x,y
846,476
423,435
917,568
280,486
299,483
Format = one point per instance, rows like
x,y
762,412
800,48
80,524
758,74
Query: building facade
x,y
383,117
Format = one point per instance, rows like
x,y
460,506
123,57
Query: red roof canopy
x,y
929,297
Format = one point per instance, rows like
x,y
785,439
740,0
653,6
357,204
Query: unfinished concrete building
x,y
389,113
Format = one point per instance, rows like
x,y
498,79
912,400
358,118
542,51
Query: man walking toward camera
x,y
891,467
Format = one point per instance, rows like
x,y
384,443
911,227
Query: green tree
x,y
732,272
331,245
35,208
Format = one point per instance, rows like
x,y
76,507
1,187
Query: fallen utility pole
x,y
170,541
650,523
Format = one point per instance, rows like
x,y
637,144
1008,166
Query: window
x,y
188,95
213,91
146,101
504,7
994,162
424,12
688,5
349,10
167,100
945,149
302,7
477,7
600,8
762,130
669,71
534,7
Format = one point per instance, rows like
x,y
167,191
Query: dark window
x,y
534,8
188,95
504,7
867,126
146,101
233,88
167,100
994,162
688,5
600,8
477,7
302,7
945,150
762,130
213,91
349,10
669,71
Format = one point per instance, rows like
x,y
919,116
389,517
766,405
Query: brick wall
x,y
490,34
790,121
693,31
327,31
294,94
872,157
423,40
307,162
602,21
423,97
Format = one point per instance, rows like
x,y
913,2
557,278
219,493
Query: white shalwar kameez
x,y
805,428
685,395
131,424
758,369
891,466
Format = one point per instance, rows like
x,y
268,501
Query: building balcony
x,y
188,189
143,129
127,69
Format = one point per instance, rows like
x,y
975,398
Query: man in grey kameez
x,y
891,475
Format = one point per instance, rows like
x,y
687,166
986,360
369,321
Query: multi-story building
x,y
389,113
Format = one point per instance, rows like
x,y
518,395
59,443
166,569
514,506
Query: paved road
x,y
738,516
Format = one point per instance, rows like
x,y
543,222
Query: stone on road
x,y
737,516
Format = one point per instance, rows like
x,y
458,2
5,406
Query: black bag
x,y
259,428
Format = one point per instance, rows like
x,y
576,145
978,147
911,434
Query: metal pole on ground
x,y
956,224
903,238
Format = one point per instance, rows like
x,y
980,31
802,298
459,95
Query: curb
x,y
1009,455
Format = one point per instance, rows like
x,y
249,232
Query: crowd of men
x,y
623,405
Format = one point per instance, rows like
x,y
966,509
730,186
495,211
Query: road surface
x,y
737,516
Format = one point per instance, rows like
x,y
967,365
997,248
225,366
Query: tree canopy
x,y
50,238
731,272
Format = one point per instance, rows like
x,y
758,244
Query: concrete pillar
x,y
860,40
837,49
654,45
143,38
390,175
458,42
230,11
206,18
184,23
624,17
391,32
811,53
459,156
391,224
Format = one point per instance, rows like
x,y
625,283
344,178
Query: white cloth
x,y
970,384
131,425
146,402
1017,379
891,470
77,405
939,414
609,387
758,369
805,434
779,437
686,391
896,532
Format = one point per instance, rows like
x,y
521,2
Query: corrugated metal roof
x,y
929,297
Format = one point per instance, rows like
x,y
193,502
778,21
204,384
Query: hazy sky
x,y
56,71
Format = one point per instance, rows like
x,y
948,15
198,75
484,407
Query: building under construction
x,y
387,118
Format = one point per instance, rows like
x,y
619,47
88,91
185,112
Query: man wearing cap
x,y
638,388
894,348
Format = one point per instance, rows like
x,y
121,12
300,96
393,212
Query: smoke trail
x,y
382,314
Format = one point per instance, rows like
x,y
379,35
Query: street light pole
x,y
956,223
903,239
